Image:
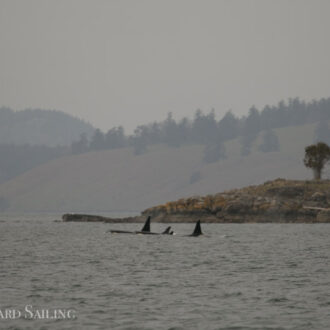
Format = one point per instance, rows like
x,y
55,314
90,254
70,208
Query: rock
x,y
274,202
323,216
216,209
308,213
286,192
240,206
319,197
82,217
219,215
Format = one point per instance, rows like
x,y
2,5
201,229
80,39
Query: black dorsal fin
x,y
146,226
167,230
198,229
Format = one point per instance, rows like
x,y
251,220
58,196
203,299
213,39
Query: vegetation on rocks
x,y
274,201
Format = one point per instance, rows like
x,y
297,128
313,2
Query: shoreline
x,y
187,219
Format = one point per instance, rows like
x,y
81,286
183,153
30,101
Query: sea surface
x,y
236,276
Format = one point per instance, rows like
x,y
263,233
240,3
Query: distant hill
x,y
119,180
41,127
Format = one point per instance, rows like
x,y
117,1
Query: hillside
x,y
118,180
40,127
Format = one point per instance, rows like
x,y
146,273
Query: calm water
x,y
237,277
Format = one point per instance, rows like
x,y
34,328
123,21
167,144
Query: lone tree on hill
x,y
316,156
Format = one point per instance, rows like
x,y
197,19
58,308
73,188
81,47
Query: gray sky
x,y
131,62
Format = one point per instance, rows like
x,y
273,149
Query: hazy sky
x,y
127,62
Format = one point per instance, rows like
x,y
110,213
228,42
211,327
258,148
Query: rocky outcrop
x,y
323,216
274,201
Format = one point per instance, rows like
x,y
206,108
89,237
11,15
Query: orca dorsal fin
x,y
198,230
167,231
146,226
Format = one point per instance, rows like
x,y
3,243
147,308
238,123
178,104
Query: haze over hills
x,y
162,161
118,180
30,138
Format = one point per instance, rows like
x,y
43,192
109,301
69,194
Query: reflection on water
x,y
247,276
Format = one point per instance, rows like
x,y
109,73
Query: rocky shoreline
x,y
278,201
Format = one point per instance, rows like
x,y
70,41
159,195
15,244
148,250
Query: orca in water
x,y
198,230
167,231
144,231
146,226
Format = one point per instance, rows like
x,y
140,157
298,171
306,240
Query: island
x,y
277,201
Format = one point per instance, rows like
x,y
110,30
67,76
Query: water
x,y
239,276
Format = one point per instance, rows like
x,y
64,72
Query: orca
x,y
168,231
146,226
144,231
198,230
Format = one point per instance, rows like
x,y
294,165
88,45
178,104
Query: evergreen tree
x,y
281,115
98,141
115,138
204,128
155,133
251,129
228,126
171,131
140,140
184,130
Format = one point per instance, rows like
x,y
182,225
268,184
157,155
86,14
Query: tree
x,y
115,138
184,130
250,132
97,142
228,126
171,131
316,156
204,128
140,140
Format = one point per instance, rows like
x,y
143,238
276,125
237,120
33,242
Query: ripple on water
x,y
239,277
